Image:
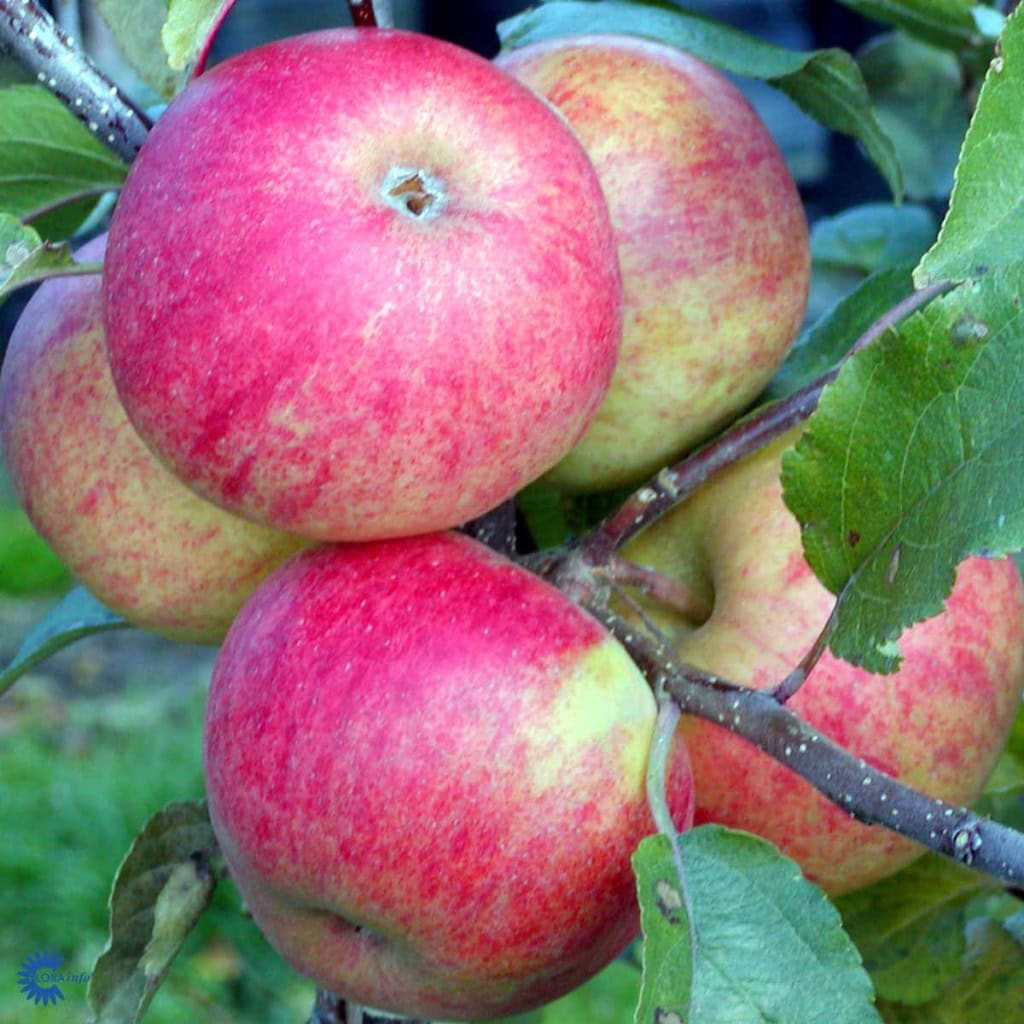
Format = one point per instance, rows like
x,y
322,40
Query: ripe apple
x,y
133,534
938,724
426,770
712,243
361,284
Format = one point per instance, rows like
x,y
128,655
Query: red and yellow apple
x,y
426,769
938,724
138,538
361,284
711,236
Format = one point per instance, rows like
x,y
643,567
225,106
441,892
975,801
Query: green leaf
x,y
1010,767
162,887
1015,927
553,517
26,259
911,462
1015,744
770,947
13,72
77,615
874,236
584,511
137,27
543,509
985,222
826,84
909,928
945,23
1003,796
822,345
1004,804
49,159
667,991
189,30
861,240
989,988
919,100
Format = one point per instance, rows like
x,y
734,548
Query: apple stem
x,y
34,39
865,793
371,13
674,484
666,591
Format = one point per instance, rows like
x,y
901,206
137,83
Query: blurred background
x,y
98,738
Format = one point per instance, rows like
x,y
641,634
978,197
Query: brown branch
x,y
902,309
330,1009
665,590
496,529
371,13
864,792
672,485
32,37
327,1009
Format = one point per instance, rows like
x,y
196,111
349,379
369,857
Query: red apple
x,y
712,242
426,770
938,724
361,284
133,534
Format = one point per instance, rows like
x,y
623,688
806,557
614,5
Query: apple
x,y
711,236
138,538
938,724
361,284
426,768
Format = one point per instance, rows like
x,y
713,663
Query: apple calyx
x,y
414,192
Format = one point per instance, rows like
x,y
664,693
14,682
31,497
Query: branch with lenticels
x,y
864,792
35,40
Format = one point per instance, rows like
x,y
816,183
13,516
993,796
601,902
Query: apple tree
x,y
813,595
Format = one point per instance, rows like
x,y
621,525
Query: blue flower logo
x,y
37,978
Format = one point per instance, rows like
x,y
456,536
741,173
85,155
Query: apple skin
x,y
938,724
138,538
712,242
426,770
305,349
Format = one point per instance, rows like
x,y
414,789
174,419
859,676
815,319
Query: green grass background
x,y
78,778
